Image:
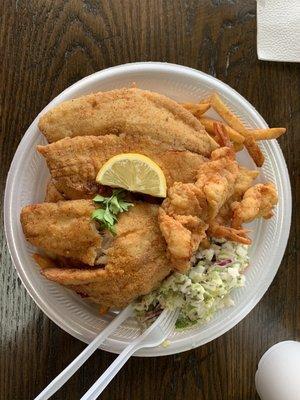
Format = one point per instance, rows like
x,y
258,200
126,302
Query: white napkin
x,y
278,30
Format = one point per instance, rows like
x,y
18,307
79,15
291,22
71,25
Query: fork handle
x,y
108,375
82,357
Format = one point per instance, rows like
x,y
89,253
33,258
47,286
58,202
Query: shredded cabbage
x,y
203,290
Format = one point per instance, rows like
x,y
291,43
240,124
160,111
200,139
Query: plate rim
x,y
151,66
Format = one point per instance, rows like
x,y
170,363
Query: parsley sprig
x,y
112,206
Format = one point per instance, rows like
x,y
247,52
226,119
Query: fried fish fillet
x,y
136,261
132,111
64,228
75,162
52,194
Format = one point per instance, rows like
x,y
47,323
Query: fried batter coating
x,y
131,111
258,201
135,260
74,163
64,228
202,201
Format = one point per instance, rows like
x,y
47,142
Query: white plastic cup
x,y
278,373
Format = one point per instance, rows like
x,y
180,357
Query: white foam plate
x,y
27,180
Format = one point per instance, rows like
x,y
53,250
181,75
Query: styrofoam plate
x,y
27,180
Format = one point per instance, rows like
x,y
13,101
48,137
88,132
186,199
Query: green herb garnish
x,y
112,206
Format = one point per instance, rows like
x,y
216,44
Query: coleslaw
x,y
203,290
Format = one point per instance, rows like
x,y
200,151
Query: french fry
x,y
254,151
266,134
228,116
238,147
236,130
205,100
235,136
197,109
208,124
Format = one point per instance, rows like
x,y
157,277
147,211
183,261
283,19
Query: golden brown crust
x,y
44,261
258,201
53,195
64,228
189,208
254,151
74,163
132,111
136,264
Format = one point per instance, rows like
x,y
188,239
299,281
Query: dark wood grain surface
x,y
46,45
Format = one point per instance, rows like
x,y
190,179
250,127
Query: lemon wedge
x,y
134,172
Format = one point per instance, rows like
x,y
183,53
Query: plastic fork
x,y
70,370
152,337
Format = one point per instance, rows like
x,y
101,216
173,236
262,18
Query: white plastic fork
x,y
66,374
152,337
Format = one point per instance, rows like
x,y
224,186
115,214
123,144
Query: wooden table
x,y
46,45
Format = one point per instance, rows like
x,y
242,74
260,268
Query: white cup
x,y
278,373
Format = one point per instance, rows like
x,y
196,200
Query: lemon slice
x,y
134,172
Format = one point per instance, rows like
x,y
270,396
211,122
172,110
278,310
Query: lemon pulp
x,y
133,172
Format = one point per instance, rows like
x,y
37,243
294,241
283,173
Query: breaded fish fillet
x,y
52,194
75,162
132,111
64,228
135,264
